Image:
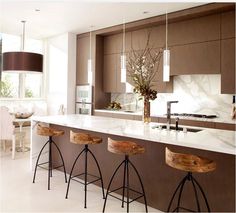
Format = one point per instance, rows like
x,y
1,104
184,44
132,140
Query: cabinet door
x,y
114,43
195,30
109,73
228,25
158,83
82,60
139,39
120,87
228,66
200,58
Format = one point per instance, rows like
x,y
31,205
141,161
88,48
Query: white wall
x,y
61,72
71,75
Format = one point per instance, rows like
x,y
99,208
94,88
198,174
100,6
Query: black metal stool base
x,y
86,150
125,186
49,162
180,187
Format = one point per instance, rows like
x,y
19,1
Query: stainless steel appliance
x,y
84,99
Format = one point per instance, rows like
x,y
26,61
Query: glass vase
x,y
146,111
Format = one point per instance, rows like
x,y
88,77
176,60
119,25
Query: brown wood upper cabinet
x,y
199,58
228,25
228,53
195,30
112,78
158,84
228,66
82,60
114,43
139,39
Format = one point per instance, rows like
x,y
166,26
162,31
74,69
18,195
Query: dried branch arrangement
x,y
142,66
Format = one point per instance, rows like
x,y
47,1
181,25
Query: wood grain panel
x,y
201,29
109,78
228,25
139,38
158,36
225,126
199,58
159,179
101,99
228,66
120,87
82,60
114,43
195,12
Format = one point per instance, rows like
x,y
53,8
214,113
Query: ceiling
x,y
57,17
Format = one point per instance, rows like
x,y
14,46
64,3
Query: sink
x,y
179,128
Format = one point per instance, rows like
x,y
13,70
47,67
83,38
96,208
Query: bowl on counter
x,y
23,115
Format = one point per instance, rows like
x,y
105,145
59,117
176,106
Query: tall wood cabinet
x,y
228,66
82,60
228,53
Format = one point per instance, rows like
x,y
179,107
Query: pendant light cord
x,y
166,29
123,36
23,36
90,43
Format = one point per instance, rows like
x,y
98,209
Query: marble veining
x,y
195,93
222,141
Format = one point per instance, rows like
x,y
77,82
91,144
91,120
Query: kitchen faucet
x,y
169,112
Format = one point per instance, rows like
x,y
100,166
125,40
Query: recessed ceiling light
x,y
37,10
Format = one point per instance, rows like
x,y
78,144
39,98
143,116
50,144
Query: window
x,y
9,85
20,85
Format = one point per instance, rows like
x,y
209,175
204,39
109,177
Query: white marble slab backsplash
x,y
195,93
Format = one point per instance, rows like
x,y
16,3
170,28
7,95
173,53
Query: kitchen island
x,y
159,179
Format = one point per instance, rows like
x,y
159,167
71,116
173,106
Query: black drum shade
x,y
22,61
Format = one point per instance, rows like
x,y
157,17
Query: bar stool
x,y
126,148
85,139
49,132
189,163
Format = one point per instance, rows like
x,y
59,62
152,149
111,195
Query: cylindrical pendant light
x,y
89,65
22,61
123,58
166,57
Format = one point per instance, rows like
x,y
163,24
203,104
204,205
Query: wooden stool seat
x,y
48,131
124,147
86,140
188,162
82,138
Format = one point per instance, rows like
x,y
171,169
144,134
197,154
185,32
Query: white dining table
x,y
21,122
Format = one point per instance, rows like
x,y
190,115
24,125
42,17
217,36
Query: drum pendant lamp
x,y
22,61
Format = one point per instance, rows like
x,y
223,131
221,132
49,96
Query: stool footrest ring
x,y
91,175
140,194
183,208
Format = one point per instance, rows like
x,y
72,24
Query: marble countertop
x,y
217,120
216,140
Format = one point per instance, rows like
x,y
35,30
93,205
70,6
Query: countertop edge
x,y
149,136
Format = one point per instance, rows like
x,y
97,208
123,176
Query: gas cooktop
x,y
194,115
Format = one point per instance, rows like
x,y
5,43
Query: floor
x,y
19,194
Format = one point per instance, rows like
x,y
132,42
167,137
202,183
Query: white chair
x,y
7,129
